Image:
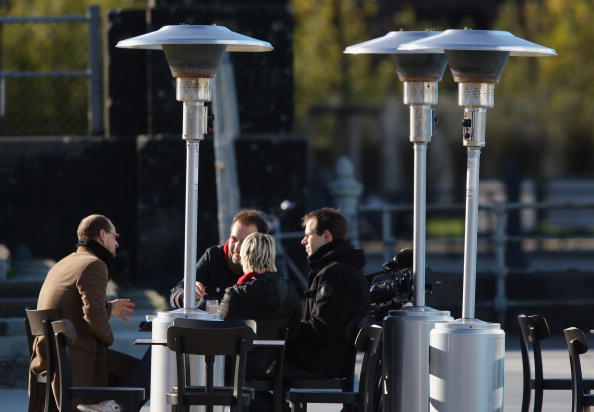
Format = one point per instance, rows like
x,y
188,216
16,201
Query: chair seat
x,y
260,385
220,397
561,384
588,399
317,383
221,389
116,393
321,396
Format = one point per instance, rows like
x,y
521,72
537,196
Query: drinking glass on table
x,y
212,305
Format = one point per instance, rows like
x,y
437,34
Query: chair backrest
x,y
36,320
64,335
38,323
533,329
216,340
210,338
368,341
201,323
576,345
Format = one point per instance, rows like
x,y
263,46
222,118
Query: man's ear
x,y
327,236
102,235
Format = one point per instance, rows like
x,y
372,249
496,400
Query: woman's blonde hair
x,y
257,253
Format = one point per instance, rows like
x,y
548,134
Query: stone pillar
x,y
345,190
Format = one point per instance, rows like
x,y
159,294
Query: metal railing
x,y
92,73
498,237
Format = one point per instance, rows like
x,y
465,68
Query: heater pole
x,y
471,227
420,96
476,98
191,234
193,92
419,225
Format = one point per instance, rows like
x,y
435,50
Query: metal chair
x,y
38,323
577,345
367,342
65,335
271,330
533,329
346,383
209,338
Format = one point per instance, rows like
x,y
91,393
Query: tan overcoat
x,y
76,287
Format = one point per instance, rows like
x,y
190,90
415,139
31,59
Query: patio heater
x,y
467,354
406,331
193,53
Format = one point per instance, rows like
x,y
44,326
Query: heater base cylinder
x,y
466,372
406,357
163,367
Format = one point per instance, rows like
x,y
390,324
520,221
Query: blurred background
x,y
88,128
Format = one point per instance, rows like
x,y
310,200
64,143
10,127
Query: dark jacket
x,y
336,299
214,272
265,296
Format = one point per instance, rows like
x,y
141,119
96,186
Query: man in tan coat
x,y
76,288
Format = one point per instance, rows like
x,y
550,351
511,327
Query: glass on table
x,y
212,305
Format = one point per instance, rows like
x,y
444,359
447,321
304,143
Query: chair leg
x,y
538,399
525,398
298,407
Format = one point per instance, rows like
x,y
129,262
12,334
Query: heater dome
x,y
478,55
195,50
411,65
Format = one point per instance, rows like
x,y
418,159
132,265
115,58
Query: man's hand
x,y
122,308
200,290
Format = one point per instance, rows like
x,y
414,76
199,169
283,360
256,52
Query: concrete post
x,y
345,190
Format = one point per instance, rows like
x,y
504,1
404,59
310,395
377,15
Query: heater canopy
x,y
389,43
196,34
195,51
411,65
478,40
478,55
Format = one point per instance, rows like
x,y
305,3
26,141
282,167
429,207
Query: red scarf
x,y
246,276
228,258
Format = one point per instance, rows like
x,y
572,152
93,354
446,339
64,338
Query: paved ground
x,y
554,401
555,358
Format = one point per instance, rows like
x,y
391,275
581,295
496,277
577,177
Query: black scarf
x,y
98,250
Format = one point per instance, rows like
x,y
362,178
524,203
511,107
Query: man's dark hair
x,y
252,217
90,227
329,219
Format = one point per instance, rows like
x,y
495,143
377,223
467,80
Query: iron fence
x,y
497,236
50,75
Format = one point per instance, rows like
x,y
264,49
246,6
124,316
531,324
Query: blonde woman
x,y
261,292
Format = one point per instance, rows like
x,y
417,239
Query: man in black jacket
x,y
220,266
336,300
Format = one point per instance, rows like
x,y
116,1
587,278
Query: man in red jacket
x,y
220,266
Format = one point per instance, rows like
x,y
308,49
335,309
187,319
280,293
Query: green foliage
x,y
545,108
48,105
445,227
323,74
